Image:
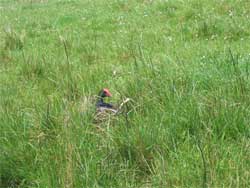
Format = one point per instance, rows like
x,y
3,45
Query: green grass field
x,y
185,66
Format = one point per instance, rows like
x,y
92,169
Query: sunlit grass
x,y
183,64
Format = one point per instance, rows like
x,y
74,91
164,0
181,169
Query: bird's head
x,y
105,93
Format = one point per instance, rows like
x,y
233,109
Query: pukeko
x,y
101,105
104,111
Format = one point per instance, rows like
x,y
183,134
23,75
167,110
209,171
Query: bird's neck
x,y
100,100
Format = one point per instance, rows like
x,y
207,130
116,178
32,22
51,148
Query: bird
x,y
103,106
106,111
103,109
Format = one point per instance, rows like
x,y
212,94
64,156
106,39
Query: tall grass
x,y
184,65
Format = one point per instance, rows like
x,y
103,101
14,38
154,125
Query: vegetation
x,y
183,64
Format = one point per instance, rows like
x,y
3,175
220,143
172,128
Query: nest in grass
x,y
107,114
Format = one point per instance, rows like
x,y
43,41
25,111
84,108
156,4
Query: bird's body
x,y
100,102
103,109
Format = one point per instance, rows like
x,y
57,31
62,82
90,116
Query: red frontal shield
x,y
107,92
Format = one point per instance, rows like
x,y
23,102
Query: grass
x,y
184,64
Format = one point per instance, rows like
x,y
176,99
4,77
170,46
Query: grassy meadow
x,y
185,65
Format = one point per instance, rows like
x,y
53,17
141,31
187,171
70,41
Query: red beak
x,y
107,92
